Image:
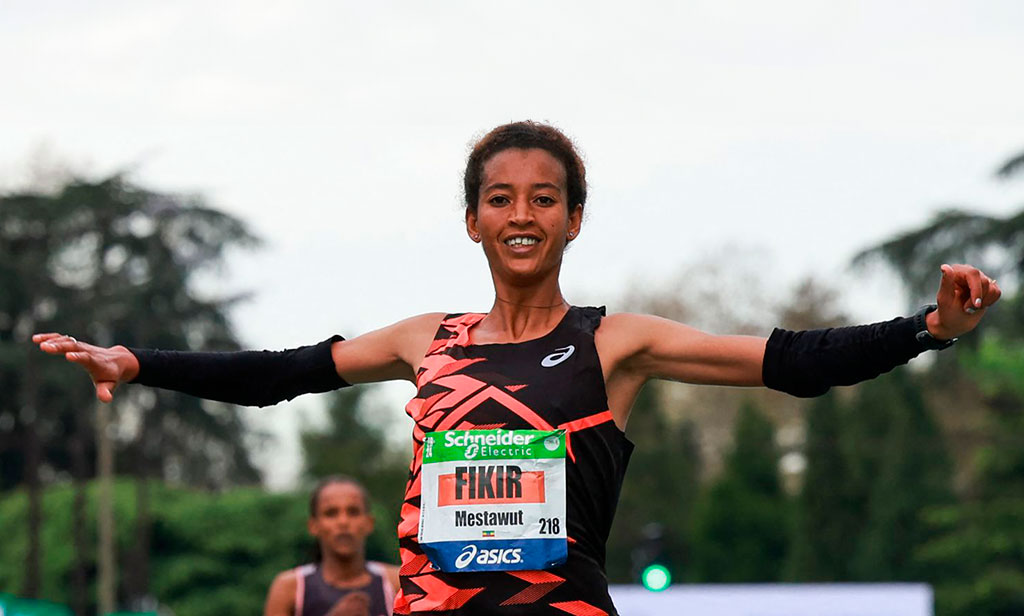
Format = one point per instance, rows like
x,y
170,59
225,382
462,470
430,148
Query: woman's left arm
x,y
651,347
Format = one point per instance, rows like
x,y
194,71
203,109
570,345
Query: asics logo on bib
x,y
558,356
507,556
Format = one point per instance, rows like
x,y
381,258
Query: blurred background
x,y
263,175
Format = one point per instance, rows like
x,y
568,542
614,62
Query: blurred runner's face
x,y
523,218
341,523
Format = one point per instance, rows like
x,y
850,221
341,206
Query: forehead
x,y
518,166
342,495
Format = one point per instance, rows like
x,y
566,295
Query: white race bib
x,y
493,500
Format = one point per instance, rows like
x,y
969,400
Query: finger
x,y
83,359
63,344
993,294
105,391
355,599
40,338
947,285
973,277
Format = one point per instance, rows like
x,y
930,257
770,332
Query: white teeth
x,y
521,241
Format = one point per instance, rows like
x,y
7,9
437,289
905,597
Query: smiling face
x,y
522,216
341,522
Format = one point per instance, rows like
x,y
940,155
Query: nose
x,y
521,213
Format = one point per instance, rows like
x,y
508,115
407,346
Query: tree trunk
x,y
33,457
79,582
105,513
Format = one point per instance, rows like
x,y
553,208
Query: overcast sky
x,y
804,130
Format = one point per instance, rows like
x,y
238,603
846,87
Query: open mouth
x,y
521,240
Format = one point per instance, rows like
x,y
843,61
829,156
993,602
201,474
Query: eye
x,y
498,200
545,200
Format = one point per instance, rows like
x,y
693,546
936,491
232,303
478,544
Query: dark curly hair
x,y
526,135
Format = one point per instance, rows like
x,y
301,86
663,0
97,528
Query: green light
x,y
656,578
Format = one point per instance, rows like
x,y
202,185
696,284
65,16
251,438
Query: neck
x,y
522,309
342,570
515,317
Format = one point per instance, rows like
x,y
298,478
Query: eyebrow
x,y
509,186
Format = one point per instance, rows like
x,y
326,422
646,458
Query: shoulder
x,y
624,339
386,571
281,596
636,330
426,323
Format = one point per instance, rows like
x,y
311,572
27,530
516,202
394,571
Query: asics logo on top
x,y
558,356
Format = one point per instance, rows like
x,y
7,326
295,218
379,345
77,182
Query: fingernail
x,y
970,311
977,302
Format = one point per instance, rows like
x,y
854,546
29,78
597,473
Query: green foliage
x,y
914,473
978,545
873,468
352,444
212,553
829,514
110,261
997,366
980,553
658,494
742,523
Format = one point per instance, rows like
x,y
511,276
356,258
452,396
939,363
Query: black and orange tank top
x,y
550,383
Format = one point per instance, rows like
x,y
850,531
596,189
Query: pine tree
x,y
828,521
653,518
914,473
741,525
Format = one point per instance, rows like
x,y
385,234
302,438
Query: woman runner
x,y
519,449
340,581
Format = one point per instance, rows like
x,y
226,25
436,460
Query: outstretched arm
x,y
636,348
256,378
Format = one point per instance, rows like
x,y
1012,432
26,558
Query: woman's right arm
x,y
256,378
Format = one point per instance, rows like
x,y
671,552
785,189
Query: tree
x,y
214,553
977,545
913,473
109,260
658,494
975,551
353,445
829,518
741,524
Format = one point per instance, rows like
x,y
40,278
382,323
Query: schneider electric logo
x,y
497,556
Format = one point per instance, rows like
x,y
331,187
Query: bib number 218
x,y
550,526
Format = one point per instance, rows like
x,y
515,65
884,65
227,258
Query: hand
x,y
964,295
355,603
108,367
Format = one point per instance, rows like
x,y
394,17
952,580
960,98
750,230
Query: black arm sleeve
x,y
248,378
808,363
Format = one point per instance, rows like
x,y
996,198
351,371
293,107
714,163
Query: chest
x,y
539,384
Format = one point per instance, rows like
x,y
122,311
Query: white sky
x,y
805,129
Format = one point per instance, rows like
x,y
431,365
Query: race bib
x,y
493,500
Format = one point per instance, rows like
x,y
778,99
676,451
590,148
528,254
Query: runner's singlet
x,y
315,597
549,383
